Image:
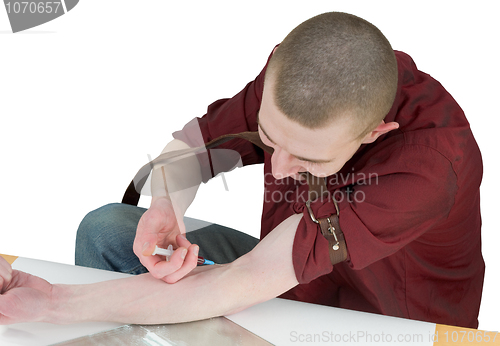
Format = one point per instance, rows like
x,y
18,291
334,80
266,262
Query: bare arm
x,y
264,273
168,178
173,187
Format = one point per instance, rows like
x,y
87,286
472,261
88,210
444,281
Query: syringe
x,y
170,250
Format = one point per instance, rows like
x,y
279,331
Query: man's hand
x,y
24,297
159,227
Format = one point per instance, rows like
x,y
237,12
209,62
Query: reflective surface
x,y
215,331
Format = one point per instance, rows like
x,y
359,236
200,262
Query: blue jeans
x,y
105,237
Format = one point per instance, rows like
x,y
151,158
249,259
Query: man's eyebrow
x,y
263,131
297,157
310,160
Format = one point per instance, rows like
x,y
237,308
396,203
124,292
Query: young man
x,y
401,165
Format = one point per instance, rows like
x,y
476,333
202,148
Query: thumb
x,y
148,249
145,245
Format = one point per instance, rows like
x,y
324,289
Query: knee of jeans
x,y
94,226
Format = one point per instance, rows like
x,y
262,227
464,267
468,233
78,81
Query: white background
x,y
85,98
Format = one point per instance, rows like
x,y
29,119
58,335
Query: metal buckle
x,y
331,229
311,214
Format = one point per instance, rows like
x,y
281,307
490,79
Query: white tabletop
x,y
278,321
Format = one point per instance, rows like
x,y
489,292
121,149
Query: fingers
x,y
182,241
183,266
159,226
5,275
144,245
183,261
150,232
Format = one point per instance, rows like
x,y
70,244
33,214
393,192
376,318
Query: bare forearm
x,y
145,300
142,299
178,180
264,273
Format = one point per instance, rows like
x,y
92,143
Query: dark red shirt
x,y
409,207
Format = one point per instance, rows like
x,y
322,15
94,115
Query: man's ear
x,y
380,130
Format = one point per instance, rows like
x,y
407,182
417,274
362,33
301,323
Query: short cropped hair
x,y
334,65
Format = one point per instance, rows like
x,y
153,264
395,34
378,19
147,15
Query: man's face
x,y
321,152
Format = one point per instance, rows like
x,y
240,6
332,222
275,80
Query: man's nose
x,y
284,164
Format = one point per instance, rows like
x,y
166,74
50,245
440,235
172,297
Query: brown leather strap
x,y
131,196
330,227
